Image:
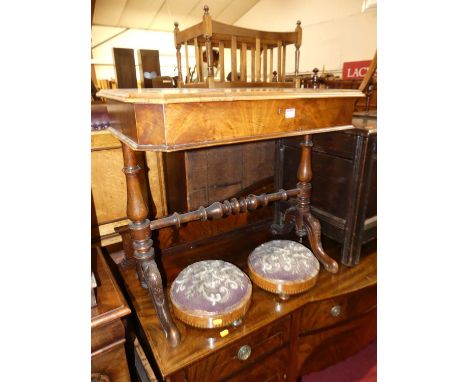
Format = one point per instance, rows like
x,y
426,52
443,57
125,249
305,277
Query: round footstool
x,y
211,294
284,267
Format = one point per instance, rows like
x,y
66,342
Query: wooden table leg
x,y
306,224
147,270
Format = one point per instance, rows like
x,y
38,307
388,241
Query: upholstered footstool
x,y
211,294
283,267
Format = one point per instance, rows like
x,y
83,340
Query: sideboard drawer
x,y
333,311
270,369
241,354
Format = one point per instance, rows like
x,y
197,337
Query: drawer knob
x,y
244,352
335,311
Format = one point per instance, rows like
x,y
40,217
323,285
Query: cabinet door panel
x,y
225,362
271,369
335,310
125,71
148,61
326,347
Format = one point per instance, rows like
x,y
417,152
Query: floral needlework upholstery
x,y
284,267
284,260
210,288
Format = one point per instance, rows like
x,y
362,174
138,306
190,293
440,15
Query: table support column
x,y
300,217
147,270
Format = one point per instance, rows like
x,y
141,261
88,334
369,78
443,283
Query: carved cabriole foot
x,y
312,226
147,270
153,279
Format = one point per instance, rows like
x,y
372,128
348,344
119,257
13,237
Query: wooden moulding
x,y
204,320
282,287
164,121
223,32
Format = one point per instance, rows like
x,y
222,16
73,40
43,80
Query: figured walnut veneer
x,y
174,119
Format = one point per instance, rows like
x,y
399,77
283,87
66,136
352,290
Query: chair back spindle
x,y
210,35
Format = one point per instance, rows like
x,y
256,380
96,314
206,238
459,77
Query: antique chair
x,y
261,44
186,192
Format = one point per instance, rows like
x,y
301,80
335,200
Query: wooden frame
x,y
212,33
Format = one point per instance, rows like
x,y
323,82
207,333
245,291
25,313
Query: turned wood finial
x,y
298,23
315,83
275,76
176,25
206,9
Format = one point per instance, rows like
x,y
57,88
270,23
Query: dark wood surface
x,y
125,70
265,314
165,121
199,177
107,330
344,187
171,128
148,61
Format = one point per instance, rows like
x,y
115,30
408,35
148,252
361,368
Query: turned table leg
x,y
306,224
148,273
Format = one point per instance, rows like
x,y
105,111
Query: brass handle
x,y
335,311
244,352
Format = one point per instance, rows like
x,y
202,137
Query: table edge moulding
x,y
164,119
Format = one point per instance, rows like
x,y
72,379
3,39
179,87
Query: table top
x,y
167,96
181,119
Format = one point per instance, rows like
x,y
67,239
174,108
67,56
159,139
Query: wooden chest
x,y
108,357
344,184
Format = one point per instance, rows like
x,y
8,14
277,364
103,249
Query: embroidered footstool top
x,y
283,266
210,294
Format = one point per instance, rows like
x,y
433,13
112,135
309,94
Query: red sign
x,y
355,69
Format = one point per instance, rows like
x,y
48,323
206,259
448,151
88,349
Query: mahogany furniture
x,y
198,177
278,340
108,359
344,188
210,33
125,70
108,190
164,120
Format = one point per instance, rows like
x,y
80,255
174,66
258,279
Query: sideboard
x,y
286,339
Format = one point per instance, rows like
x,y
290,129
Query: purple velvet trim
x,y
210,287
